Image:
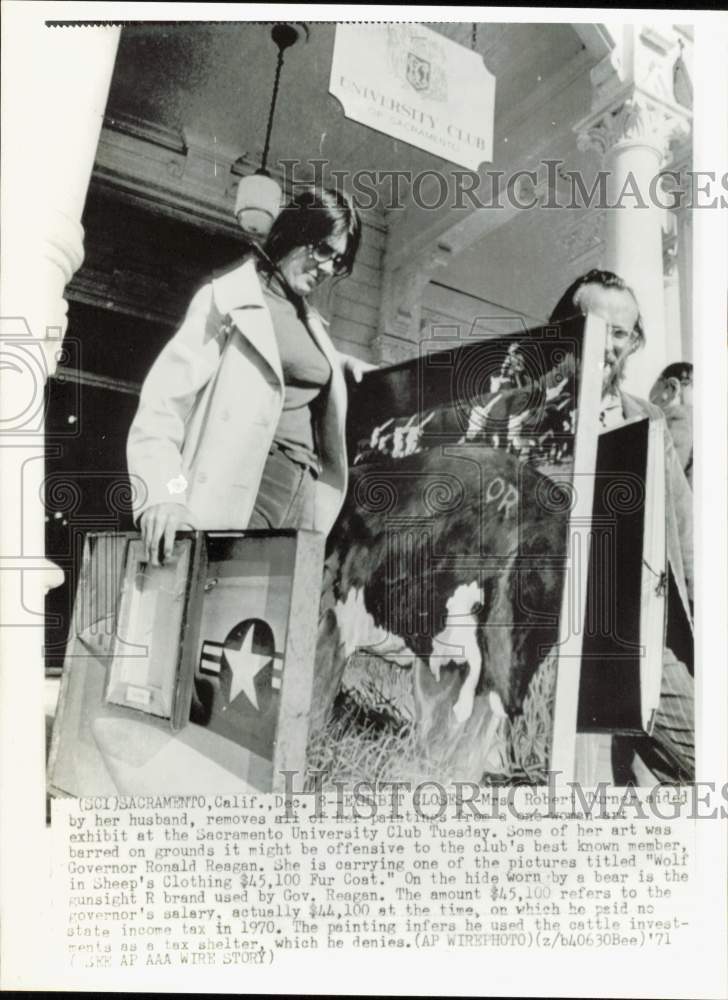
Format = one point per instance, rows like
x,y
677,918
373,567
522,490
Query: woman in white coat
x,y
241,419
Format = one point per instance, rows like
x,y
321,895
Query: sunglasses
x,y
322,253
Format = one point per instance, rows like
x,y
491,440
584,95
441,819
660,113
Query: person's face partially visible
x,y
668,393
301,269
618,309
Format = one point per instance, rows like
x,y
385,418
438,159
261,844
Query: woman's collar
x,y
238,287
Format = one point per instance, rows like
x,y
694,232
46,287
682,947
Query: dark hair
x,y
566,307
313,215
681,370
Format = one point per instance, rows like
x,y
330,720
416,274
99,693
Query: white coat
x,y
210,406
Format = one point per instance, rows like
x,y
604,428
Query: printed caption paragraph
x,y
238,880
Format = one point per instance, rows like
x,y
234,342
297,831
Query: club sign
x,y
418,86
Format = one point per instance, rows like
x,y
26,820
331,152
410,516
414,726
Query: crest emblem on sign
x,y
416,57
418,71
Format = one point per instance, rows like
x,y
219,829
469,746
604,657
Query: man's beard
x,y
614,376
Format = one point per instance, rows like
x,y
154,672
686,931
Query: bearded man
x,y
669,754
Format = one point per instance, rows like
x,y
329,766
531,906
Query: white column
x,y
634,121
685,279
634,251
672,290
49,154
51,142
78,63
633,138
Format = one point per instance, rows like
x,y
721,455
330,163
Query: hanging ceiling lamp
x,y
258,201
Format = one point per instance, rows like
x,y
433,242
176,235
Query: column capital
x,y
634,119
641,92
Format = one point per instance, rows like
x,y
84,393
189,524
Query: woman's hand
x,y
159,523
354,368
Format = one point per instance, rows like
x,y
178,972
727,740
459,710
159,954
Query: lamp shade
x,y
257,204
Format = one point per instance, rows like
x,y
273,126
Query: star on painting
x,y
245,665
244,670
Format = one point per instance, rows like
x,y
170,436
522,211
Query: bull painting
x,y
447,561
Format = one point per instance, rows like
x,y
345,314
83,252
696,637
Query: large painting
x,y
443,625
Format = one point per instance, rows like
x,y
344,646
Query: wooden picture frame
x,y
156,640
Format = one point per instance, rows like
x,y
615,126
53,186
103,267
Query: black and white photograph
x,y
249,290
364,419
